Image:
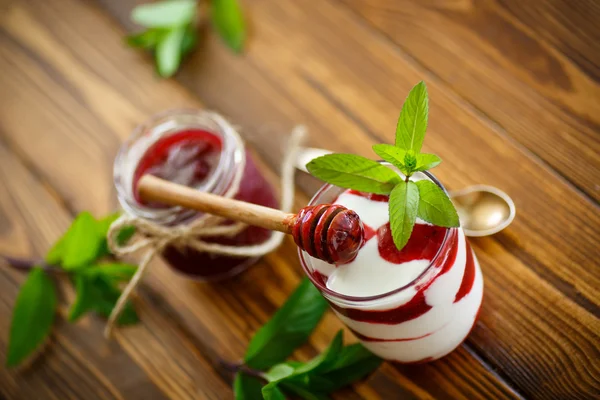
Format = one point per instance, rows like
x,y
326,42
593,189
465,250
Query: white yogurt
x,y
441,323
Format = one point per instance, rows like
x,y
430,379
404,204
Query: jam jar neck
x,y
231,160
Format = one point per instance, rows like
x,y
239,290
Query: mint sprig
x,y
82,255
408,199
171,29
266,373
33,316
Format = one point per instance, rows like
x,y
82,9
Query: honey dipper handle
x,y
151,188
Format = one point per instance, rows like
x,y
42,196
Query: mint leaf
x,y
146,40
246,387
228,20
404,202
115,272
427,161
190,38
279,372
412,123
435,207
352,363
164,14
82,242
392,154
104,223
302,392
96,292
272,392
291,326
56,252
410,161
168,52
354,172
32,318
327,358
335,367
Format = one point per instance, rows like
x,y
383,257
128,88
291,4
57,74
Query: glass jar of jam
x,y
202,150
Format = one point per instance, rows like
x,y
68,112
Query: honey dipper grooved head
x,y
330,232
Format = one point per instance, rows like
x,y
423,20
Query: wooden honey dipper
x,y
330,232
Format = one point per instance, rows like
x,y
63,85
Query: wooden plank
x,y
49,68
531,67
347,82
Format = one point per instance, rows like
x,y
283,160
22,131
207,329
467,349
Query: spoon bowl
x,y
483,210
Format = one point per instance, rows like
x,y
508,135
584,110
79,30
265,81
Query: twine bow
x,y
154,237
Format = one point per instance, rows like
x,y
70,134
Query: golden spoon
x,y
483,210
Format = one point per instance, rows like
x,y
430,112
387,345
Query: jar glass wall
x,y
202,150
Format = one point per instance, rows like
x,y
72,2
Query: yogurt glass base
x,y
416,322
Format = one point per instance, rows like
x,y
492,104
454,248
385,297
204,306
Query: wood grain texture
x,y
346,81
85,103
531,67
67,100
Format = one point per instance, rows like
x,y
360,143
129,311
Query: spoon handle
x,y
151,188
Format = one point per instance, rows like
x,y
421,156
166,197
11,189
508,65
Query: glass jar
x,y
172,142
416,322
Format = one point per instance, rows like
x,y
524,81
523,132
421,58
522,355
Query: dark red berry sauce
x,y
190,157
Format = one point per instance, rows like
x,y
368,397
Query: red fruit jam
x,y
203,155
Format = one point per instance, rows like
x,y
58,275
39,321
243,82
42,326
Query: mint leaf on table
x,y
170,35
412,124
189,41
326,359
168,52
334,368
290,327
427,161
146,40
302,392
352,363
228,20
98,293
102,227
272,392
435,207
279,372
82,242
354,172
115,272
246,387
164,14
33,315
56,252
404,203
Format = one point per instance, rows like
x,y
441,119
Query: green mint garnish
x,y
171,33
403,207
412,123
82,256
33,316
354,172
408,199
273,377
228,20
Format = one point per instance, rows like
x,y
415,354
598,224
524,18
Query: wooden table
x,y
515,103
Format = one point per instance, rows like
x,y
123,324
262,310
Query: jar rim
x,y
165,123
362,299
